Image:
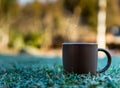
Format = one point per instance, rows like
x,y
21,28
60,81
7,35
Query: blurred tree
x,y
71,4
88,15
37,8
89,10
41,23
8,7
8,10
113,13
32,9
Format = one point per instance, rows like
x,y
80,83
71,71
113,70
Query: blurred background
x,y
41,26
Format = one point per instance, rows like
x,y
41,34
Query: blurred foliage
x,y
70,5
32,39
113,13
47,24
8,7
89,12
15,40
57,40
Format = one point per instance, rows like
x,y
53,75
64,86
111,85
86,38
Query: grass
x,y
33,75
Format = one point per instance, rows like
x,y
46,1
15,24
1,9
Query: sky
x,y
24,1
27,1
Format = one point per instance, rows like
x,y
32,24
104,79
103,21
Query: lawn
x,y
25,71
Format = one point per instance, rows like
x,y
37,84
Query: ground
x,y
26,71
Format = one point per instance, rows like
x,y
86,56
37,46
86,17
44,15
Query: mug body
x,y
80,58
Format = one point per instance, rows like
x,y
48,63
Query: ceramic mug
x,y
81,58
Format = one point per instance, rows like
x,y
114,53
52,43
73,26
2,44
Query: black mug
x,y
81,58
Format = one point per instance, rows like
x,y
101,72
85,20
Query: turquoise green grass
x,y
24,71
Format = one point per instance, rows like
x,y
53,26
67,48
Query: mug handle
x,y
108,61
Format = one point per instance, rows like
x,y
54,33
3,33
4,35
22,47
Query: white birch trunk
x,y
101,28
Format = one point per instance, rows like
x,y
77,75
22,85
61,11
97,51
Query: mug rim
x,y
78,43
